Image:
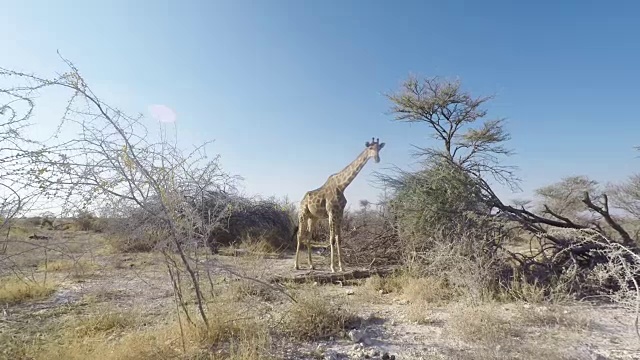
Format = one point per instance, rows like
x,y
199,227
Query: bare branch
x,y
604,211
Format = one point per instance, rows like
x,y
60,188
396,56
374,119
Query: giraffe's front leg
x,y
332,237
310,223
295,262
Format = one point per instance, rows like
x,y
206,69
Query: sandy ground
x,y
140,281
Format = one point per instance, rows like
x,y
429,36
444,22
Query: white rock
x,y
356,335
331,355
367,341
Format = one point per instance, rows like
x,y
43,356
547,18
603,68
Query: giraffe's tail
x,y
295,232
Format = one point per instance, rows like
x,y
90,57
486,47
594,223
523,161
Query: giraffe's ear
x,y
367,144
380,146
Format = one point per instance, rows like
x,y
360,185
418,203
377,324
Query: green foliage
x,y
440,195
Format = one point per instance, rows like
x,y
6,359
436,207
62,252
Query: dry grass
x,y
104,322
427,290
14,290
521,290
423,293
316,316
252,247
242,290
483,324
264,244
122,244
494,334
125,335
376,285
420,293
554,316
78,268
522,351
247,319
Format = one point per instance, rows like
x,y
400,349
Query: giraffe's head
x,y
373,149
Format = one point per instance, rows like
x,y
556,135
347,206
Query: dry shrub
x,y
232,218
465,259
87,221
140,244
555,289
34,221
217,218
420,292
519,289
315,316
136,230
14,290
368,237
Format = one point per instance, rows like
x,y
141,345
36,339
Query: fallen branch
x,y
39,237
333,278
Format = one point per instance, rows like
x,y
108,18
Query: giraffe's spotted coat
x,y
328,202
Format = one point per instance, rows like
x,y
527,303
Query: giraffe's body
x,y
328,202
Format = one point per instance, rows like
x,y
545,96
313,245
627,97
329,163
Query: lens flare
x,y
162,113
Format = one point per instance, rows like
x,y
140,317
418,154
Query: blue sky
x,y
273,82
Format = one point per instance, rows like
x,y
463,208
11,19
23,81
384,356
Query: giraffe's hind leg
x,y
337,234
302,219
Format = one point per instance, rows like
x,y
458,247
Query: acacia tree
x,y
458,121
475,147
440,211
470,148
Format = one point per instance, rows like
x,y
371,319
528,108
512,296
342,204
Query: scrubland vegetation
x,y
156,255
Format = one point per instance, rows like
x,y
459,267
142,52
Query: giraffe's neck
x,y
343,178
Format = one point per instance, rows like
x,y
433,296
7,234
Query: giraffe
x,y
328,202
